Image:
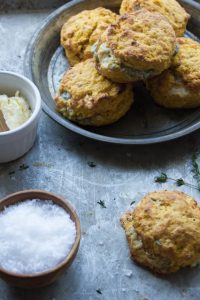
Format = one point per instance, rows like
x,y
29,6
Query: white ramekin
x,y
15,143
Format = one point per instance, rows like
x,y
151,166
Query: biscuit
x,y
81,31
88,98
179,86
163,231
175,13
136,47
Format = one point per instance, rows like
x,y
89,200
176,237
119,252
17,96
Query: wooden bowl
x,y
43,278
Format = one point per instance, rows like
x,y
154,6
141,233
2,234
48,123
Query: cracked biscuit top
x,y
175,13
143,40
81,32
179,86
88,98
164,231
187,62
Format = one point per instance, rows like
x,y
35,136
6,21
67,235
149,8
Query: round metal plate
x,y
145,123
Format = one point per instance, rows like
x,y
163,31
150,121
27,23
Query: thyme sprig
x,y
102,204
23,167
195,168
163,177
91,164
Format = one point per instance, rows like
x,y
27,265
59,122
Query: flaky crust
x,y
164,231
142,40
81,31
187,61
93,99
175,13
114,70
179,87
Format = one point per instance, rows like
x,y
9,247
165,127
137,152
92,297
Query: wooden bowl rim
x,y
66,205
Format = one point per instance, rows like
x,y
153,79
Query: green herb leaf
x,y
23,167
102,203
157,242
162,178
91,164
133,202
180,182
153,199
99,291
195,169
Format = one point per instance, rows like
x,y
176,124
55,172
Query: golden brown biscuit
x,y
179,87
176,14
88,98
138,46
81,32
163,231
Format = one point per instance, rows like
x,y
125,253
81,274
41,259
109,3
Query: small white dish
x,y
15,143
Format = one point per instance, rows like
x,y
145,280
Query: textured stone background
x,y
59,162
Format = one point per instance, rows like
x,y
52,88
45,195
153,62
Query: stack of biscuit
x,y
109,52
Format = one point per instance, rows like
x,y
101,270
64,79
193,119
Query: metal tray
x,y
145,123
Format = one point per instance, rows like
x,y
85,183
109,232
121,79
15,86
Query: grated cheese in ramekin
x,y
16,110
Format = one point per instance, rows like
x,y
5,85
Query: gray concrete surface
x,y
59,162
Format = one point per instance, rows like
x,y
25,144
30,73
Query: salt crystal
x,y
35,236
128,273
101,243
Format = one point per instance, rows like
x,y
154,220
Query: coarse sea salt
x,y
35,236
